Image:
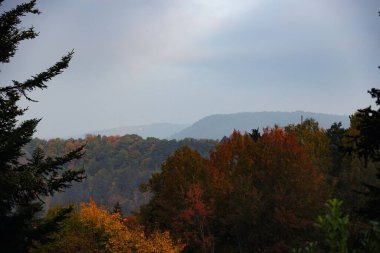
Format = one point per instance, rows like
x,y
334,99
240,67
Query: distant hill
x,y
156,130
220,125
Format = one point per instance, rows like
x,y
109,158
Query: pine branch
x,y
38,81
10,35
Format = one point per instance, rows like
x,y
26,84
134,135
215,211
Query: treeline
x,y
263,191
115,166
252,192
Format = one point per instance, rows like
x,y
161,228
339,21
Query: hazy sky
x,y
145,61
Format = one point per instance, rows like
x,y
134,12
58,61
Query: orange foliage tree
x,y
93,229
117,237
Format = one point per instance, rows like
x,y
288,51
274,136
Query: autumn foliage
x,y
117,237
94,229
251,194
258,192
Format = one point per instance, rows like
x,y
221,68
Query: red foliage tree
x,y
194,221
266,192
253,194
178,202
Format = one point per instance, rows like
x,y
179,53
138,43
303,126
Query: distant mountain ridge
x,y
157,130
219,125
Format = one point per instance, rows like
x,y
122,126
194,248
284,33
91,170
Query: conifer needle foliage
x,y
25,181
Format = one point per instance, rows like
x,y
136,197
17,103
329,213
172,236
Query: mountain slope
x,y
220,125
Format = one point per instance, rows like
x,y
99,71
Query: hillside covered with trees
x,y
296,188
115,166
264,191
261,190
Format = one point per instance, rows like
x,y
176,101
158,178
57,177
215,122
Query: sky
x,y
147,61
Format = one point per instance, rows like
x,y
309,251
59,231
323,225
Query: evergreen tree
x,y
366,143
336,134
25,181
117,208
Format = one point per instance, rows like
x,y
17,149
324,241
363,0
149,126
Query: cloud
x,y
171,35
144,61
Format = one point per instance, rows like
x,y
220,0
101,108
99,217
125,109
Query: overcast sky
x,y
145,61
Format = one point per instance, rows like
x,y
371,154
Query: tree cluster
x,y
249,195
115,166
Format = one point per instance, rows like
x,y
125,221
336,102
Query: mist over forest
x,y
195,126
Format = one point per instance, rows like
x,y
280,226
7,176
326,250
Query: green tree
x,y
364,140
335,226
338,234
25,181
117,208
336,134
315,142
367,141
71,234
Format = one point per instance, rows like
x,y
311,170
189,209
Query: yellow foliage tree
x,y
117,237
315,142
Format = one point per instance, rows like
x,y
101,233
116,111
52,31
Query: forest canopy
x,y
298,188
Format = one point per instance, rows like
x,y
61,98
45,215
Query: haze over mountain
x,y
177,61
157,130
220,125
